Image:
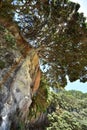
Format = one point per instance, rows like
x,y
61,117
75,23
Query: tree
x,y
59,30
70,111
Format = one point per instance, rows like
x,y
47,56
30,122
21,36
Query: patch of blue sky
x,y
76,85
83,6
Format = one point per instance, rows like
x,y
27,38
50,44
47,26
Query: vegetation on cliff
x,y
46,34
58,30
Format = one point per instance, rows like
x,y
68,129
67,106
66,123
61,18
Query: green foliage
x,y
64,121
21,125
40,100
17,123
10,39
59,29
2,64
70,112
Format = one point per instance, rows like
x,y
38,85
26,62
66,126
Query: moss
x,y
7,39
17,124
2,64
39,101
10,39
21,125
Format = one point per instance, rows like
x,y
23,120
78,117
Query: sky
x,y
83,6
77,85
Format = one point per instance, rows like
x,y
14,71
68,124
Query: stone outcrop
x,y
19,67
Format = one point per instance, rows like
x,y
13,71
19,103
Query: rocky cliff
x,y
19,68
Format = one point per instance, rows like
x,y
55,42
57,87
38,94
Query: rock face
x,y
17,75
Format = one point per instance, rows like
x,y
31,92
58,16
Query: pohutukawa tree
x,y
58,30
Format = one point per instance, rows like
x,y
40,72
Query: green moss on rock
x,y
2,64
10,39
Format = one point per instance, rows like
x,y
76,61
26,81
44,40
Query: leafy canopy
x,y
59,30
